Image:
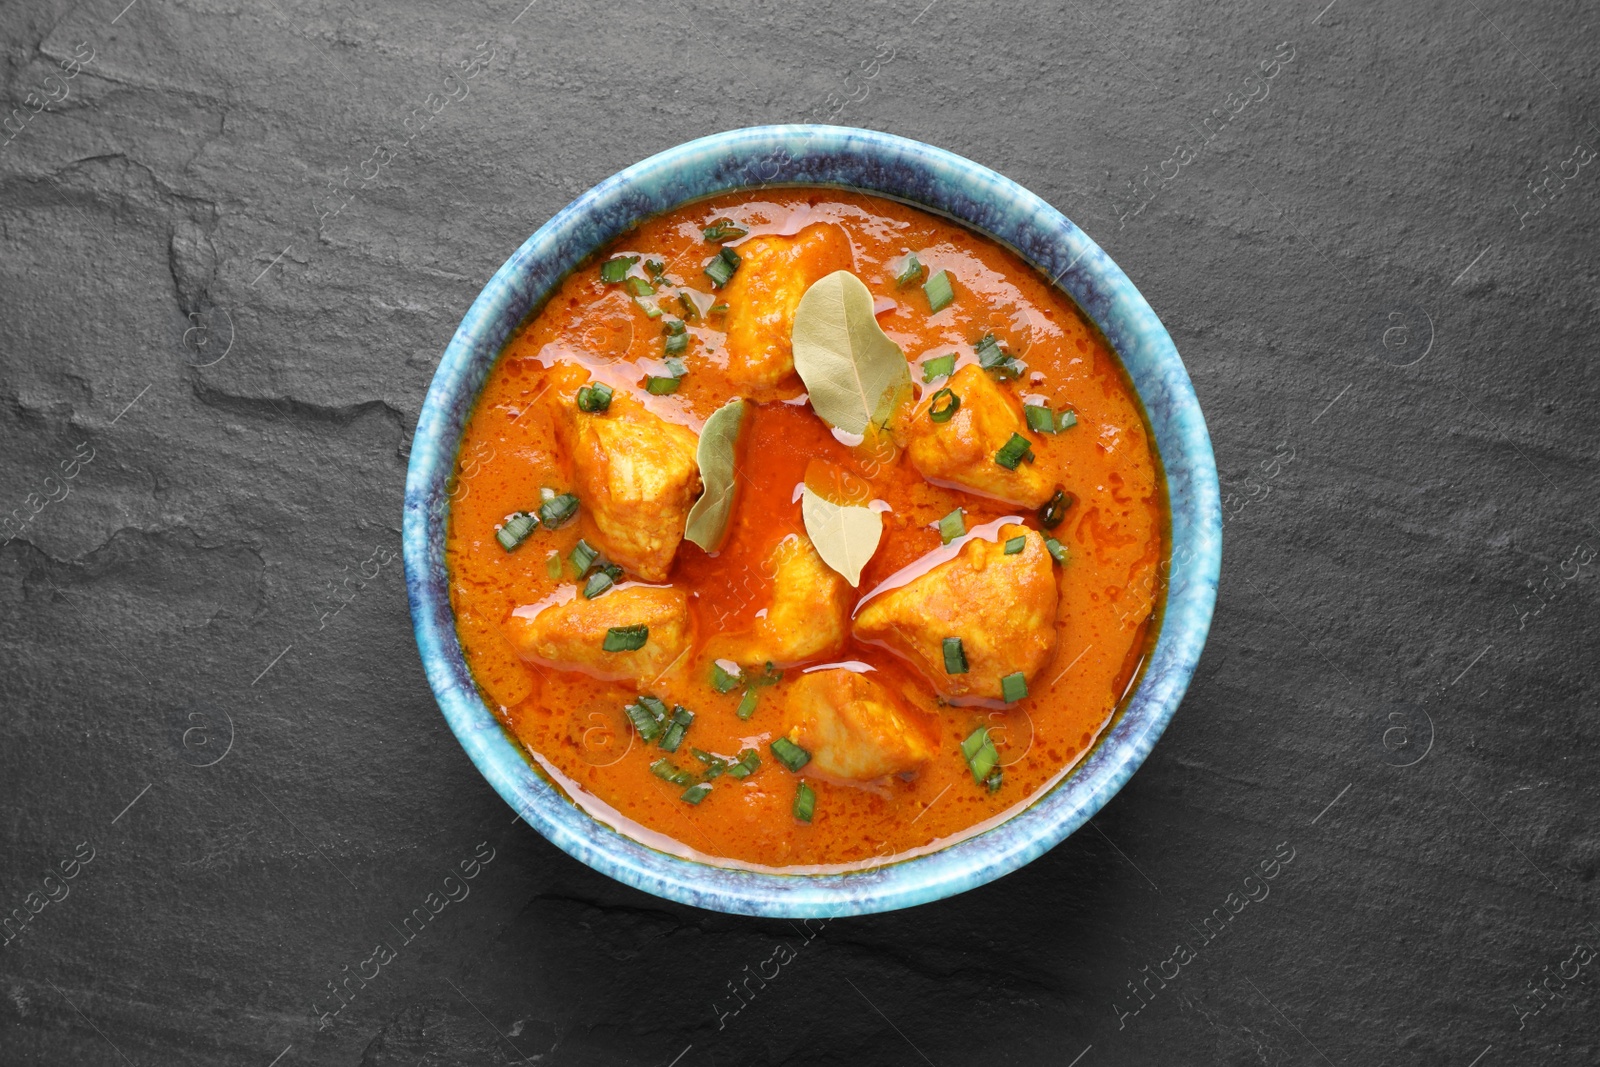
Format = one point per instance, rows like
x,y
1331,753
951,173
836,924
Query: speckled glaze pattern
x,y
922,175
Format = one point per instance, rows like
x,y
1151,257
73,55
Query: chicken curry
x,y
805,530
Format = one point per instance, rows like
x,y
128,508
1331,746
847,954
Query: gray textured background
x,y
221,315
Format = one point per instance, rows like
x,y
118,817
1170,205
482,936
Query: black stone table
x,y
236,237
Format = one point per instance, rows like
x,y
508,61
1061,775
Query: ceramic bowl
x,y
919,174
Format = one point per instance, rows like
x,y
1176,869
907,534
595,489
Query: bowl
x,y
930,178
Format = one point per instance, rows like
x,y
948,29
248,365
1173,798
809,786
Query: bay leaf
x,y
854,374
707,524
845,535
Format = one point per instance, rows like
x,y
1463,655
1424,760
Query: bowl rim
x,y
928,177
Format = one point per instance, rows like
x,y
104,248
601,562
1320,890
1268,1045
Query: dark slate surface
x,y
1381,273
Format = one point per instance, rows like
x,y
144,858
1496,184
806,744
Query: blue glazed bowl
x,y
925,176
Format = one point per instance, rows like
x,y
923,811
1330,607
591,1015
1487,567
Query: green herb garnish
x,y
601,580
789,754
682,719
625,638
583,556
910,271
721,267
556,511
667,771
939,292
723,230
695,793
1057,550
1055,509
979,752
955,656
594,397
747,703
614,270
724,681
1040,418
1015,545
749,763
943,406
952,526
805,803
515,530
938,367
1013,452
645,720
1013,687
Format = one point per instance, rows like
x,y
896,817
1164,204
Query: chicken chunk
x,y
961,451
1002,608
774,274
571,635
809,616
854,728
637,477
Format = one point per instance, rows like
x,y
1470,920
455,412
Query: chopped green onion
x,y
1013,687
722,230
955,656
724,681
988,350
677,344
939,292
552,565
682,719
910,272
1040,418
640,287
749,763
676,367
596,396
625,638
555,512
661,386
805,803
952,526
655,268
715,765
1055,509
673,326
689,310
515,530
770,675
645,721
583,556
650,310
1057,550
979,752
939,367
1013,452
1015,545
695,793
943,406
720,269
747,703
994,780
667,771
601,580
655,705
614,270
789,754
1066,420
718,309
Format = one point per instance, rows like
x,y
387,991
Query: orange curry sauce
x,y
574,725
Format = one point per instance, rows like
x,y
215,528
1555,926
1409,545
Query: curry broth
x,y
574,725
